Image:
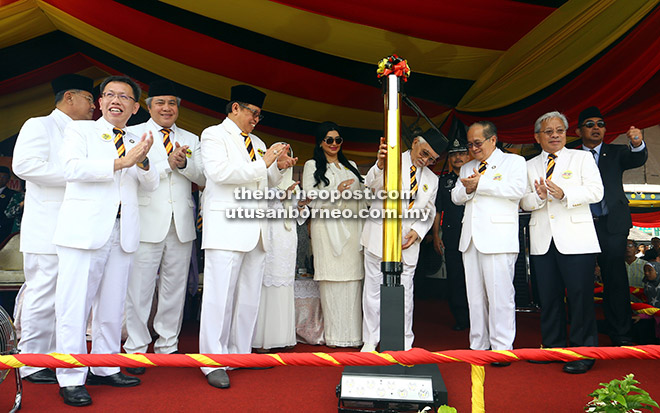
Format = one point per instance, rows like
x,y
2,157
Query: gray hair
x,y
547,116
489,128
149,99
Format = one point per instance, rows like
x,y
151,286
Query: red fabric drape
x,y
646,219
475,23
44,74
619,83
225,59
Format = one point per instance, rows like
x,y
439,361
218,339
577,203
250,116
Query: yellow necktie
x,y
482,167
248,146
413,186
166,140
551,166
119,141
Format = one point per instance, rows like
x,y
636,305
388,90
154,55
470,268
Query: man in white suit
x,y
422,183
167,227
490,187
235,249
36,160
563,242
97,232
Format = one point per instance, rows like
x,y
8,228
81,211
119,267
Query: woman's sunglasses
x,y
330,140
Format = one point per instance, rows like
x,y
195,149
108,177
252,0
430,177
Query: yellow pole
x,y
392,175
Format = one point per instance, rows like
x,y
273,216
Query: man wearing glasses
x,y
490,187
612,217
422,184
235,249
98,229
167,227
36,160
563,243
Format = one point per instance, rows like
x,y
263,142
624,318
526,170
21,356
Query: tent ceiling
x,y
502,60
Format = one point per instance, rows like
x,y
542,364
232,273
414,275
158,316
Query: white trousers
x,y
491,299
373,278
173,258
38,312
90,279
230,301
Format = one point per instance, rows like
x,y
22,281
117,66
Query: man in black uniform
x,y
451,216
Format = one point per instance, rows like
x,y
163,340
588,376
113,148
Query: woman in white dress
x,y
338,265
276,323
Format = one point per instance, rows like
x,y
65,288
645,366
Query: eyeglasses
x,y
430,160
330,140
255,113
550,132
476,144
590,124
89,99
112,95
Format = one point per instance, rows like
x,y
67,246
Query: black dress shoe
x,y
115,380
44,376
500,364
544,361
75,396
578,366
136,371
218,378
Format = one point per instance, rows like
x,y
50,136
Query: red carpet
x,y
521,387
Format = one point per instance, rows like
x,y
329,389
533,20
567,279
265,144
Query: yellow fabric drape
x,y
210,83
21,21
568,38
338,37
16,108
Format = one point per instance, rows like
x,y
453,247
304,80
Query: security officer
x,y
451,215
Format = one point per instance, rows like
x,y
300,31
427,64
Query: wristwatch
x,y
144,164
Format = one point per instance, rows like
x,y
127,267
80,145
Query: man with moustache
x,y
451,216
563,243
234,160
490,187
36,160
612,217
97,232
167,227
422,185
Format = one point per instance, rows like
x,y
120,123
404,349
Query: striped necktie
x,y
482,167
119,141
248,146
200,221
551,166
413,186
166,140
